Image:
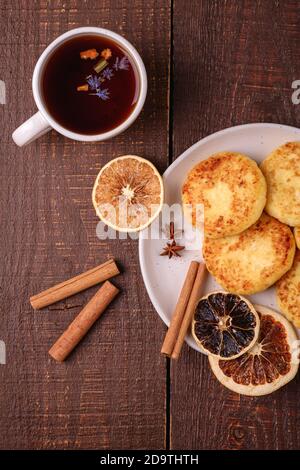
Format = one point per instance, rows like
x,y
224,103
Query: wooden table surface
x,y
211,64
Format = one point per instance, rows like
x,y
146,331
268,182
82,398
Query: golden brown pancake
x,y
288,292
231,188
282,172
268,366
252,260
297,236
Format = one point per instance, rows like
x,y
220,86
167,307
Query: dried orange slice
x,y
225,325
288,292
128,193
271,363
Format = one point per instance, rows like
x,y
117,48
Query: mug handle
x,y
31,129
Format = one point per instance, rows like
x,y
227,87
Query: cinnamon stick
x,y
76,284
177,317
83,322
190,309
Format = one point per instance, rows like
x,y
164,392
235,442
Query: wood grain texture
x,y
110,393
233,63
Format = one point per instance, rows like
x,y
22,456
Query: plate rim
x,y
182,156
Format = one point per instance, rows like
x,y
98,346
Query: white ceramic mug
x,y
42,122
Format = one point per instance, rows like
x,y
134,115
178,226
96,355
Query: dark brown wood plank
x,y
110,393
234,62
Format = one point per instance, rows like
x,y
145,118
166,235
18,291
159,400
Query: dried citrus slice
x,y
288,292
128,193
271,363
225,325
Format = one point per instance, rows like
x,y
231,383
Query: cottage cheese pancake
x,y
282,172
268,365
232,190
253,260
297,236
288,292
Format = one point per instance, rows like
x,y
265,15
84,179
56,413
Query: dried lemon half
x,y
128,193
225,325
270,364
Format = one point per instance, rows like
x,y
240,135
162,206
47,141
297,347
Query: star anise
x,y
171,248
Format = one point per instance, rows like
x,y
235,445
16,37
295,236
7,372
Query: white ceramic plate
x,y
163,277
